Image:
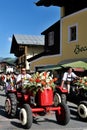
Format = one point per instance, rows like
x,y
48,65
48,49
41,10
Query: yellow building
x,y
67,38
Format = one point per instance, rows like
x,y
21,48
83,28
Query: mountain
x,y
1,58
8,60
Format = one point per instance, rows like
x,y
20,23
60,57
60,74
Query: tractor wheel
x,y
59,98
25,116
11,105
62,114
82,110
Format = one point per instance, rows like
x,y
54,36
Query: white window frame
x,y
69,33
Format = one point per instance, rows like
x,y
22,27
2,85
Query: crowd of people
x,y
11,79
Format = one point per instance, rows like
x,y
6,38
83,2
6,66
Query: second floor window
x,y
72,33
50,38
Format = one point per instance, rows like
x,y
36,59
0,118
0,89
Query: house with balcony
x,y
25,47
65,40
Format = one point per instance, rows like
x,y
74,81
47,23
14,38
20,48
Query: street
x,y
41,123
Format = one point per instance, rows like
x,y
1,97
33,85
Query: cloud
x,y
9,39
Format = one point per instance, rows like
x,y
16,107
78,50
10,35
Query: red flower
x,y
38,80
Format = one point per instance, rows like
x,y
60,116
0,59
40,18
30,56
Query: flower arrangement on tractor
x,y
40,81
81,87
80,97
82,82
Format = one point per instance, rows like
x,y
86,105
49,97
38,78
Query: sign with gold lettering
x,y
79,49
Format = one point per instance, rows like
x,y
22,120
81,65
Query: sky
x,y
23,17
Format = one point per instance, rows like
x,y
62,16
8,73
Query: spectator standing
x,y
2,80
14,77
9,82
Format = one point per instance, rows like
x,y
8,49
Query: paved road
x,y
41,123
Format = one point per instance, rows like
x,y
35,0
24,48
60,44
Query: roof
x,y
29,39
50,2
60,3
55,25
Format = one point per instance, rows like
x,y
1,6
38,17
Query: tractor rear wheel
x,y
62,114
11,105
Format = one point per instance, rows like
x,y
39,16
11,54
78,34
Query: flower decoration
x,y
40,81
82,82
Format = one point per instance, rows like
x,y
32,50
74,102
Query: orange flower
x,y
55,79
31,79
45,73
80,80
43,83
85,83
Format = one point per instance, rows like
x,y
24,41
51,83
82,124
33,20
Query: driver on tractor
x,y
68,77
22,77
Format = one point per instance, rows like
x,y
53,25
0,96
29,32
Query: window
x,y
50,38
72,33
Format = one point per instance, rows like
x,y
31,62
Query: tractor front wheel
x,y
59,98
82,110
25,116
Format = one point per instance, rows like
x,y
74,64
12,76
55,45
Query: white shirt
x,y
21,76
68,77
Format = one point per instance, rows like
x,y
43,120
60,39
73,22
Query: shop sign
x,y
79,49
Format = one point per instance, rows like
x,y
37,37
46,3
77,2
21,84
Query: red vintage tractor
x,y
30,104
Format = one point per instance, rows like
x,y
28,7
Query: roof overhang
x,y
50,3
60,3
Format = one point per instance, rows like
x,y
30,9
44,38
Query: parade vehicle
x,y
78,95
35,97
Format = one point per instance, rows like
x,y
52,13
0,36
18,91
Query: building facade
x,y
24,47
66,39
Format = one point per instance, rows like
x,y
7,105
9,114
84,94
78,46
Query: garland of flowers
x,y
40,81
82,82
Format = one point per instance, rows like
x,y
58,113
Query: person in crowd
x,y
68,77
2,80
14,77
8,82
8,78
2,77
22,77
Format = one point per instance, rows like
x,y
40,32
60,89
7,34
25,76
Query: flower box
x,y
45,97
82,82
39,81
